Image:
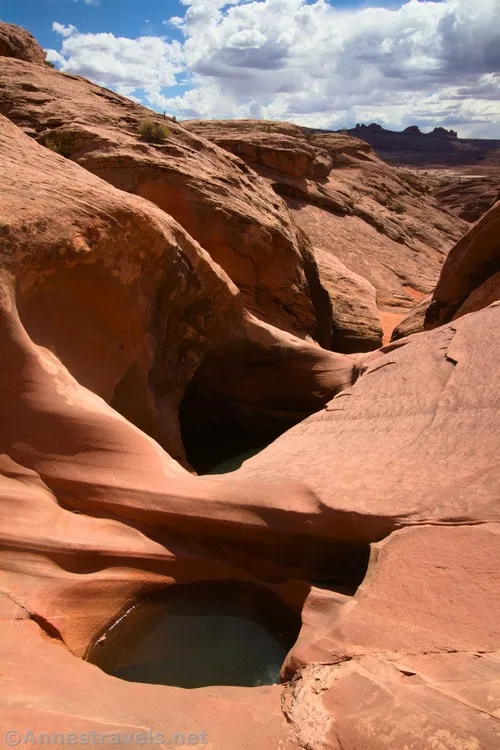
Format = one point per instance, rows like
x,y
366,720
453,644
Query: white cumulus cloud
x,y
122,64
426,62
63,30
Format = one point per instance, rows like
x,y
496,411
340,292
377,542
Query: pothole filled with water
x,y
233,463
200,634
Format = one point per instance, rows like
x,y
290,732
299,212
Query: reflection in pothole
x,y
200,634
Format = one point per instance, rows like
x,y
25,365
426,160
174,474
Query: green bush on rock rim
x,y
152,131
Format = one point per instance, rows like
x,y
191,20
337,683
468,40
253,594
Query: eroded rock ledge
x,y
379,237
373,515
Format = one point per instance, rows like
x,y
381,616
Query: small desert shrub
x,y
61,143
49,64
152,131
399,208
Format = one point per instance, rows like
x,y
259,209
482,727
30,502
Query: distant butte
x,y
442,147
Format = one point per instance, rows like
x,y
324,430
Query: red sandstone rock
x,y
255,386
295,147
380,454
80,449
413,599
270,147
469,266
469,197
414,322
308,492
136,288
39,671
142,338
469,279
378,221
482,296
356,320
109,308
420,702
222,204
19,43
415,651
96,307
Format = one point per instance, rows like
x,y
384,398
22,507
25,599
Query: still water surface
x,y
201,634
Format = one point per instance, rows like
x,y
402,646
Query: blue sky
x,y
121,17
319,63
128,18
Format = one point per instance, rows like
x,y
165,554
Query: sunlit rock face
x,y
338,586
20,44
379,238
469,280
225,206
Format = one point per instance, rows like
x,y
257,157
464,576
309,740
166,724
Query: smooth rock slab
x,y
415,440
46,689
412,660
428,589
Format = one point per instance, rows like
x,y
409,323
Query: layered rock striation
x,y
132,337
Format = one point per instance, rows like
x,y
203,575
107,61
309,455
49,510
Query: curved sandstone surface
x,y
92,270
19,43
124,346
379,222
381,456
220,202
356,324
149,305
113,273
469,281
392,613
414,322
67,450
270,148
470,198
470,270
108,711
418,640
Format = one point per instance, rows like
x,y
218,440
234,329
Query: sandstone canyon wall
x,y
226,207
379,238
469,279
154,295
